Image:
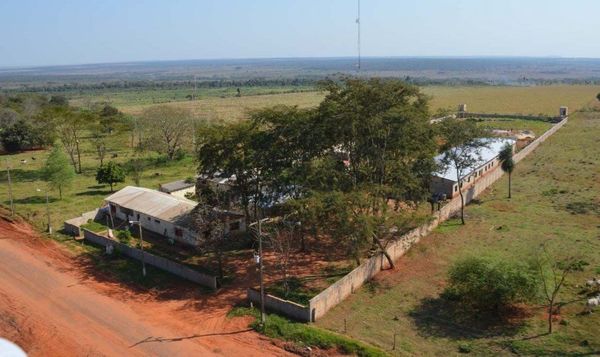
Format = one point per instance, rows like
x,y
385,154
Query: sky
x,y
55,32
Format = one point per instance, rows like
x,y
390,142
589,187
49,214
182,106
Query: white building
x,y
162,213
445,182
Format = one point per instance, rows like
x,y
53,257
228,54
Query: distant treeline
x,y
165,85
54,87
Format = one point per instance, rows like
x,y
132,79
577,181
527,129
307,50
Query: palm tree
x,y
507,163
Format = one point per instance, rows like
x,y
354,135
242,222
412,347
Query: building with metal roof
x,y
445,182
162,213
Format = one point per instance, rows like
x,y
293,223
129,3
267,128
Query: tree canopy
x,y
110,174
57,171
368,146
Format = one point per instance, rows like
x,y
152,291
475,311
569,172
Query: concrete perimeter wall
x,y
73,225
511,116
337,292
151,259
288,308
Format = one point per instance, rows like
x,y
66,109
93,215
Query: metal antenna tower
x,y
358,24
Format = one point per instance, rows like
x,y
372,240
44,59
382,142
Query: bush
x,y
124,236
490,285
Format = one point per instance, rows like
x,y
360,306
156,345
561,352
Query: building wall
x,y
450,188
165,228
169,229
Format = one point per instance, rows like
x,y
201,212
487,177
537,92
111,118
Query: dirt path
x,y
50,308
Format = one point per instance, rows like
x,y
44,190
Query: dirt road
x,y
49,307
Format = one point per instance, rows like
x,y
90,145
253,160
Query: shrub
x,y
124,236
490,285
110,174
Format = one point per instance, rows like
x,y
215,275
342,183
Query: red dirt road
x,y
50,308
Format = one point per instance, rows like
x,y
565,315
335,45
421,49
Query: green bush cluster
x,y
124,236
488,284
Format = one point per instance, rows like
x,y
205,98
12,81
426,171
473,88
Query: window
x,y
156,221
178,232
126,211
234,226
455,188
138,216
148,218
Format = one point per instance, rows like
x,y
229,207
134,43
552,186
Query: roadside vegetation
x,y
301,335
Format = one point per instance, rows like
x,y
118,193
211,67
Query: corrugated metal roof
x,y
485,154
153,203
176,186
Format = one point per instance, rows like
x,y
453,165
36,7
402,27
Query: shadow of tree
x,y
20,175
34,200
442,318
105,192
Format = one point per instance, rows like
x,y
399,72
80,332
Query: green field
x,y
556,199
146,96
537,126
493,99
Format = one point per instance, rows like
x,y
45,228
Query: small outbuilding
x,y
179,188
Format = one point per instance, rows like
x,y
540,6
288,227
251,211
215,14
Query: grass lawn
x,y
144,96
556,199
537,126
504,99
490,99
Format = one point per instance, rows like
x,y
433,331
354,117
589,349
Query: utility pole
x,y
10,195
49,226
48,212
260,265
141,246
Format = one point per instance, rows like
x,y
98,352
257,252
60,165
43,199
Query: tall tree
x,y
228,151
110,174
168,128
70,125
57,171
462,151
507,164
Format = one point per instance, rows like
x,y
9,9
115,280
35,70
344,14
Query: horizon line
x,y
17,67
